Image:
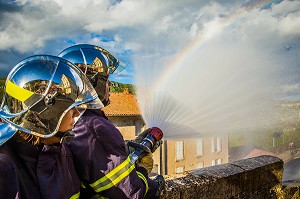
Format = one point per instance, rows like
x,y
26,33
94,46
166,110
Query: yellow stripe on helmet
x,y
17,92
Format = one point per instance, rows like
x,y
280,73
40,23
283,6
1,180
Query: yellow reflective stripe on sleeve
x,y
17,92
82,185
114,176
75,196
144,180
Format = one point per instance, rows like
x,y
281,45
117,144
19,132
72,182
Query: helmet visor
x,y
40,90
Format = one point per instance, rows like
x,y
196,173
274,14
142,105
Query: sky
x,y
139,32
209,65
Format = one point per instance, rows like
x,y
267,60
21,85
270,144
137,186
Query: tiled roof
x,y
122,104
257,152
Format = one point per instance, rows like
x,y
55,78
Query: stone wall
x,y
258,177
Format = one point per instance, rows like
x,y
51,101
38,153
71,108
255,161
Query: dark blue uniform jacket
x,y
31,172
98,148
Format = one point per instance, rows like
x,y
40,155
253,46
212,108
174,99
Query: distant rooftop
x,y
258,152
122,104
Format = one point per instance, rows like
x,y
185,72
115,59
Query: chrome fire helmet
x,y
38,92
96,62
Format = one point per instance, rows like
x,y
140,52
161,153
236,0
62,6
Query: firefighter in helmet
x,y
38,110
99,150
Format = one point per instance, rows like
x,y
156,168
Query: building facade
x,y
189,154
174,156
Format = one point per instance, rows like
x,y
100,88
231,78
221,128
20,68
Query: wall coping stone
x,y
258,177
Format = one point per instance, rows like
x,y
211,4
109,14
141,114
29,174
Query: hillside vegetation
x,y
115,87
289,130
2,82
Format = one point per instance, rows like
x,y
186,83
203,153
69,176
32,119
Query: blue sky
x,y
139,32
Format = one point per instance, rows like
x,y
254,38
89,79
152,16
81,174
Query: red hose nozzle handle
x,y
156,133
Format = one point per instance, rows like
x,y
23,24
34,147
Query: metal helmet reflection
x,y
39,91
92,59
96,62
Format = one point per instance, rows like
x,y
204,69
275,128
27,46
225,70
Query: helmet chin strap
x,y
65,136
106,102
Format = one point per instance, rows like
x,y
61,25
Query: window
x,y
216,144
219,161
200,165
199,147
179,150
179,170
213,162
216,162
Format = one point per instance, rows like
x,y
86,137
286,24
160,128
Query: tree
x,y
2,82
117,87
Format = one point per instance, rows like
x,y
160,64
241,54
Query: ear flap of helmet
x,y
101,89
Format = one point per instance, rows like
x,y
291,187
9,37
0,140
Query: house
x,y
190,154
174,156
124,113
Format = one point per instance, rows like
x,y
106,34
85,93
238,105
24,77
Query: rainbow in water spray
x,y
190,49
160,106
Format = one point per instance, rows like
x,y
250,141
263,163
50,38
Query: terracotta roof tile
x,y
124,104
257,152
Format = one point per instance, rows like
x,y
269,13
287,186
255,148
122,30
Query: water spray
x,y
146,145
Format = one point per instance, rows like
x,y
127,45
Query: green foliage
x,y
117,87
263,138
288,130
236,139
2,82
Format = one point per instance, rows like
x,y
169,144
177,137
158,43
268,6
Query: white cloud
x,y
142,26
173,40
227,73
41,21
279,22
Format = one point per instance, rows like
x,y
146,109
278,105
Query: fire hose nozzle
x,y
146,145
157,133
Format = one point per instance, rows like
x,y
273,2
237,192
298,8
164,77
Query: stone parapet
x,y
258,177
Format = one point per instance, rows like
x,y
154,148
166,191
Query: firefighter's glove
x,y
146,162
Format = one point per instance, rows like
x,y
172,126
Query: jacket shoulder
x,y
7,165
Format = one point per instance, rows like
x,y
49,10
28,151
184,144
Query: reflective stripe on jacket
x,y
113,177
101,159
